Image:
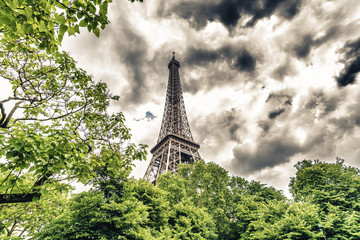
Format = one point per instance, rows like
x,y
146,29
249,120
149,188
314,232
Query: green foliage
x,y
64,129
24,218
54,125
187,221
44,23
201,201
327,183
335,188
281,220
140,211
210,186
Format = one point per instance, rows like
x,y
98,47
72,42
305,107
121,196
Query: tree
x,y
335,188
54,126
21,219
139,210
209,186
43,23
327,183
278,220
63,129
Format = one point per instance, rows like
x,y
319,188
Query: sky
x,y
266,83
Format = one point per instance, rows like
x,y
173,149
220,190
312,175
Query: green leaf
x,y
63,29
71,31
6,19
35,198
76,28
42,26
96,31
83,23
29,13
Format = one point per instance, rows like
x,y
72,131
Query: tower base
x,y
171,151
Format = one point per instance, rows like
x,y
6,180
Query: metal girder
x,y
175,143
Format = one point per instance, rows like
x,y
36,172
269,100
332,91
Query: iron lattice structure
x,y
175,143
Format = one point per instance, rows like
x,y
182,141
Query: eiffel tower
x,y
175,143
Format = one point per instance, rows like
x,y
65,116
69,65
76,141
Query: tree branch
x,y
12,229
3,114
28,197
18,198
6,100
51,118
6,122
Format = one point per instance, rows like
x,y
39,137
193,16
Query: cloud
x,y
245,62
265,125
148,116
217,128
210,68
282,142
131,51
284,70
276,113
240,59
229,12
351,59
276,104
345,124
269,152
280,97
303,47
321,102
202,57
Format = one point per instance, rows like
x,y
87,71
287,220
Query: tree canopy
x,y
54,125
201,201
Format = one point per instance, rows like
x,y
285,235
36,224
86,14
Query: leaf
x,y
35,198
96,31
63,29
29,13
42,26
6,19
76,28
71,31
83,23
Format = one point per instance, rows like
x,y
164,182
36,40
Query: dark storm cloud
x,y
276,104
280,143
206,63
284,70
224,126
202,57
346,124
229,12
303,44
276,113
129,49
302,48
269,152
281,98
240,59
323,103
245,62
351,60
265,125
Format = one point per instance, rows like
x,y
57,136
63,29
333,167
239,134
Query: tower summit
x,y
175,143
